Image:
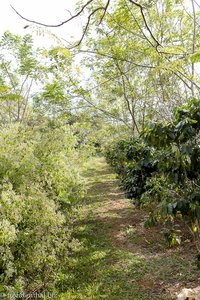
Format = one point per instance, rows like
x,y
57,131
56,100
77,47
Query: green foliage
x,y
134,162
59,52
195,57
161,169
22,48
142,70
33,78
39,181
52,100
177,143
19,70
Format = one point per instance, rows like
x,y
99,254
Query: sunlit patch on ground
x,y
118,258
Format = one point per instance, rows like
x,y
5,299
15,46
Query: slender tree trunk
x,y
193,44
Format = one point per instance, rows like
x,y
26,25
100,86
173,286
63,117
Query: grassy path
x,y
118,259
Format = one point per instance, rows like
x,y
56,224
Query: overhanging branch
x,y
145,22
55,25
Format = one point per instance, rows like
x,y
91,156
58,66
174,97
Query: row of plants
x,y
161,168
39,182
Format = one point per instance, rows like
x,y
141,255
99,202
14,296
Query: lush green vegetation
x,y
39,181
127,90
162,167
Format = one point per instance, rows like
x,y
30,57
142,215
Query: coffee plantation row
x,y
160,169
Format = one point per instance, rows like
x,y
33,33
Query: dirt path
x,y
118,258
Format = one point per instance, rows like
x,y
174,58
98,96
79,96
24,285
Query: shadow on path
x,y
117,258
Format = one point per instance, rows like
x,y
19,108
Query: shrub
x,y
134,161
39,180
177,147
161,167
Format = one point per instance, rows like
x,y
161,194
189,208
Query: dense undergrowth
x,y
160,168
39,182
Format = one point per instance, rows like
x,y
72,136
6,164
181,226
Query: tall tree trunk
x,y
193,44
